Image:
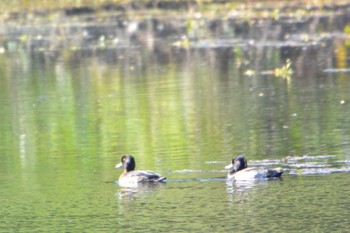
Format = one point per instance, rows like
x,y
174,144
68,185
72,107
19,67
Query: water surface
x,y
66,121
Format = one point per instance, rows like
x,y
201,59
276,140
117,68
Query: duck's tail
x,y
156,178
274,173
278,174
160,179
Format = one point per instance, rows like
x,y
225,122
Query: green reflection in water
x,y
65,123
91,108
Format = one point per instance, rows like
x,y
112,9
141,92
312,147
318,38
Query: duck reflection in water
x,y
136,178
240,171
142,190
240,187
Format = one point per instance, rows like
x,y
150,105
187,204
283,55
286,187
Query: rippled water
x,y
65,122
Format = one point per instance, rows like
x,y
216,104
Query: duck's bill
x,y
229,166
119,165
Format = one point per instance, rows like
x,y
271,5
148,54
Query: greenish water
x,y
66,121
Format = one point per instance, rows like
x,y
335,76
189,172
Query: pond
x,y
65,122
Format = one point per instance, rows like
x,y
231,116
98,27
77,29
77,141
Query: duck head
x,y
127,162
238,163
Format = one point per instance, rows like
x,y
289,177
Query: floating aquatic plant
x,y
285,71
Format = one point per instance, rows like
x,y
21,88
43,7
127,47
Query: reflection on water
x,y
159,108
240,186
128,194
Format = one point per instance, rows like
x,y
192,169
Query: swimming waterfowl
x,y
130,177
239,170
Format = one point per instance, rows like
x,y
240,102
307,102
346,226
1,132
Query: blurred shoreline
x,y
168,31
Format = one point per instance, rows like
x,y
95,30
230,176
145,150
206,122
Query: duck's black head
x,y
127,162
239,162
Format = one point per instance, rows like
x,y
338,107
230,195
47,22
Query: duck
x,y
240,171
131,177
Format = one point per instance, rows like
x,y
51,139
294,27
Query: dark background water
x,y
184,109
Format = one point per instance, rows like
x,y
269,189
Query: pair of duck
x,y
239,171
